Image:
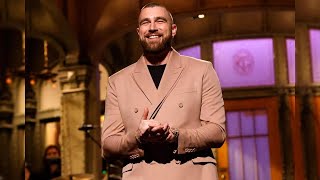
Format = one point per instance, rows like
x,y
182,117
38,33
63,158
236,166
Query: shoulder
x,y
195,63
190,61
123,73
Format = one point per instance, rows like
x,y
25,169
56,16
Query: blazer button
x,y
180,105
136,110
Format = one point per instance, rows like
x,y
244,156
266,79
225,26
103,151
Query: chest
x,y
181,108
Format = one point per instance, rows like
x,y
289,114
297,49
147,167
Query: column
x,y
285,116
32,153
80,104
305,102
6,114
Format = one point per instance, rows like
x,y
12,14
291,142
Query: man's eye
x,y
144,22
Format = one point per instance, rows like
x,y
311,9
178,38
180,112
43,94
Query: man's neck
x,y
157,59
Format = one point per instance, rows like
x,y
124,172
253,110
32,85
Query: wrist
x,y
139,138
175,133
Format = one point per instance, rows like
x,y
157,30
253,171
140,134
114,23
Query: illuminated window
x,y
242,63
291,60
52,132
20,108
248,145
193,51
315,54
50,97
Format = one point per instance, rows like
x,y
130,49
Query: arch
x,y
43,19
12,14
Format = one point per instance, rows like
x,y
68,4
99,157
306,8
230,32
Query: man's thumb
x,y
145,114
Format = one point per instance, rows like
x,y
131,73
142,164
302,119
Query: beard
x,y
156,47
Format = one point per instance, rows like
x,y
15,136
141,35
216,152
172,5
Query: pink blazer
x,y
193,104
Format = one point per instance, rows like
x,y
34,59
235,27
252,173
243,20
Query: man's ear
x,y
174,29
138,30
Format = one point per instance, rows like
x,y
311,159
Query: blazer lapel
x,y
171,74
144,81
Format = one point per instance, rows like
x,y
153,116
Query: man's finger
x,y
145,114
166,127
153,123
156,129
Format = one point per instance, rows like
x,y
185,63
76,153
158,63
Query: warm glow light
x,y
23,46
54,85
45,52
101,119
32,82
52,133
201,16
8,80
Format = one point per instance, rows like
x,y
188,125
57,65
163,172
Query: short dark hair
x,y
154,4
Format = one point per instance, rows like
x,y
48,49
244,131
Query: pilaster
x,y
32,153
285,117
6,114
305,92
80,105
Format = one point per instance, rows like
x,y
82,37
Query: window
x,y
315,54
242,63
50,97
20,109
193,51
52,132
290,43
248,145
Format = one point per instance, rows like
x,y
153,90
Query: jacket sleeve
x,y
115,140
211,133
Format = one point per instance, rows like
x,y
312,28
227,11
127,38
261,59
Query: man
x,y
165,112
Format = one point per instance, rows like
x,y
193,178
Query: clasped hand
x,y
151,131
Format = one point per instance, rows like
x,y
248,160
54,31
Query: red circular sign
x,y
243,62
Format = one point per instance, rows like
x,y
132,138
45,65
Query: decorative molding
x,y
6,104
316,90
19,120
256,92
6,126
289,90
308,90
49,113
74,78
6,110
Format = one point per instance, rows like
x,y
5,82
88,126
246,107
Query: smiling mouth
x,y
153,36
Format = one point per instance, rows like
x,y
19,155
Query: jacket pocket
x,y
127,168
204,160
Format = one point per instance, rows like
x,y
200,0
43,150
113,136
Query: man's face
x,y
155,29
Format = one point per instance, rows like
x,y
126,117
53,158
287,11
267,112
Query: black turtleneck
x,y
156,73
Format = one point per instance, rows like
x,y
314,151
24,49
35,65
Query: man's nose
x,y
153,28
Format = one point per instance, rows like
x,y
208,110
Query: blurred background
x,y
56,56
